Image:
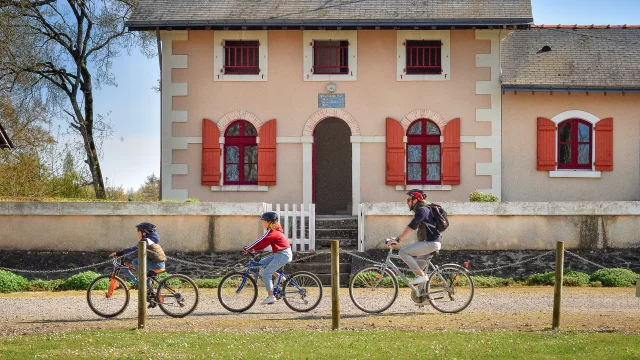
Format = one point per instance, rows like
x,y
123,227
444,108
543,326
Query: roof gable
x,y
150,14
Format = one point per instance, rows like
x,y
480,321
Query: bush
x,y
570,278
208,283
492,281
45,285
541,279
10,282
192,200
79,281
477,196
615,277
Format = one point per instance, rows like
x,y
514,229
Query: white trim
x,y
219,36
493,114
575,174
570,114
443,35
288,140
424,187
307,171
355,177
240,188
467,139
368,139
308,36
182,142
169,116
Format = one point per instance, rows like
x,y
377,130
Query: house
x,y
5,142
339,103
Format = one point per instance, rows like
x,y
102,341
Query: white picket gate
x,y
290,218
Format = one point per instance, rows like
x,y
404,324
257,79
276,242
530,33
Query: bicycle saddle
x,y
151,273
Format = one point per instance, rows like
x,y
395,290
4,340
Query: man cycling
x,y
428,237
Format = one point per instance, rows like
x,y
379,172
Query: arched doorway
x,y
332,190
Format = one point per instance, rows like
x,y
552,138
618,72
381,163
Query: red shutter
x,y
267,154
210,153
604,145
395,153
451,153
546,144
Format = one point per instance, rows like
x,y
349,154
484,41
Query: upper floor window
x,y
240,154
423,153
575,144
423,57
242,57
330,57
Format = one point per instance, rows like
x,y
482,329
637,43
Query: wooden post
x,y
142,285
557,291
335,285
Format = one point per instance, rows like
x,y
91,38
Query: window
x,y
240,154
330,57
575,144
423,153
423,57
241,57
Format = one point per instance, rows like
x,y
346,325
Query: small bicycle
x,y
176,295
449,288
237,291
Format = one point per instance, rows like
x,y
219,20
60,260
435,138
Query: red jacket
x,y
275,238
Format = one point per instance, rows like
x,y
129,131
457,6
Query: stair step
x,y
336,233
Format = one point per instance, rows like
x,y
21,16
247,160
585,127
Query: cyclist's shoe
x,y
269,300
419,280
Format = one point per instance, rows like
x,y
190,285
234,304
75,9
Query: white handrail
x,y
295,218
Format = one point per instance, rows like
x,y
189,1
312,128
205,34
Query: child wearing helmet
x,y
428,237
274,237
155,255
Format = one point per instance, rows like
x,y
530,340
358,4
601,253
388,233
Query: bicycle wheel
x,y
237,293
177,295
373,290
108,297
302,291
450,289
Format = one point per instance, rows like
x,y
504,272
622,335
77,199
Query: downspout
x,y
159,44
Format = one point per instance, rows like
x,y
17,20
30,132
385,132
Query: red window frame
x,y
574,143
241,57
330,58
424,139
242,141
424,57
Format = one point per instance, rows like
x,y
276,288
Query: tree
x,y
149,191
61,50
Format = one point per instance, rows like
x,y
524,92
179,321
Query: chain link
x,y
512,264
62,270
583,259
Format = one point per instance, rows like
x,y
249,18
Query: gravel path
x,y
516,309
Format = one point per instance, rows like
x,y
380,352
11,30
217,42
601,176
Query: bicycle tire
x,y
97,293
365,279
460,293
312,282
173,295
250,292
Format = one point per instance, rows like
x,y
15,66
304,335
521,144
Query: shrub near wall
x,y
10,282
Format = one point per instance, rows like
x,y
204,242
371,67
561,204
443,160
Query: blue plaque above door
x,y
331,101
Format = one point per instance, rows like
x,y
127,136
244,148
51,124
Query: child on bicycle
x,y
274,237
428,237
155,255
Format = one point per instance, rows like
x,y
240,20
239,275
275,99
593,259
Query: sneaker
x,y
419,280
268,300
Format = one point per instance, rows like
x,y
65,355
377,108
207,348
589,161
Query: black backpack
x,y
440,217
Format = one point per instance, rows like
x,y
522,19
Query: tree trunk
x,y
87,135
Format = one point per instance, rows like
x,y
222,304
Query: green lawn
x,y
332,345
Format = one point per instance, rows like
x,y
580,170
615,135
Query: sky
x,y
133,106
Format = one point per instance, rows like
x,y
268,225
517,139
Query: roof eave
x,y
572,88
292,24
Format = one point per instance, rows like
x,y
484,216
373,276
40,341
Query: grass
x,y
304,344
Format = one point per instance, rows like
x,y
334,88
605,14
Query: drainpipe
x,y
159,44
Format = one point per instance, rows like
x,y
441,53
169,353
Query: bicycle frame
x,y
388,264
118,265
253,268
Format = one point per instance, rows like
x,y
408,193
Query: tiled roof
x,y
5,142
301,12
575,58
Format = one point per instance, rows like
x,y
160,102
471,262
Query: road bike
x,y
176,295
238,291
449,288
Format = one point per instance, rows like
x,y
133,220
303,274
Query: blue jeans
x,y
272,263
150,264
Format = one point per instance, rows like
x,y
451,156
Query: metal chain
x,y
583,259
513,264
61,270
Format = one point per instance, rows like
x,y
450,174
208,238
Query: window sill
x,y
424,187
575,174
240,188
